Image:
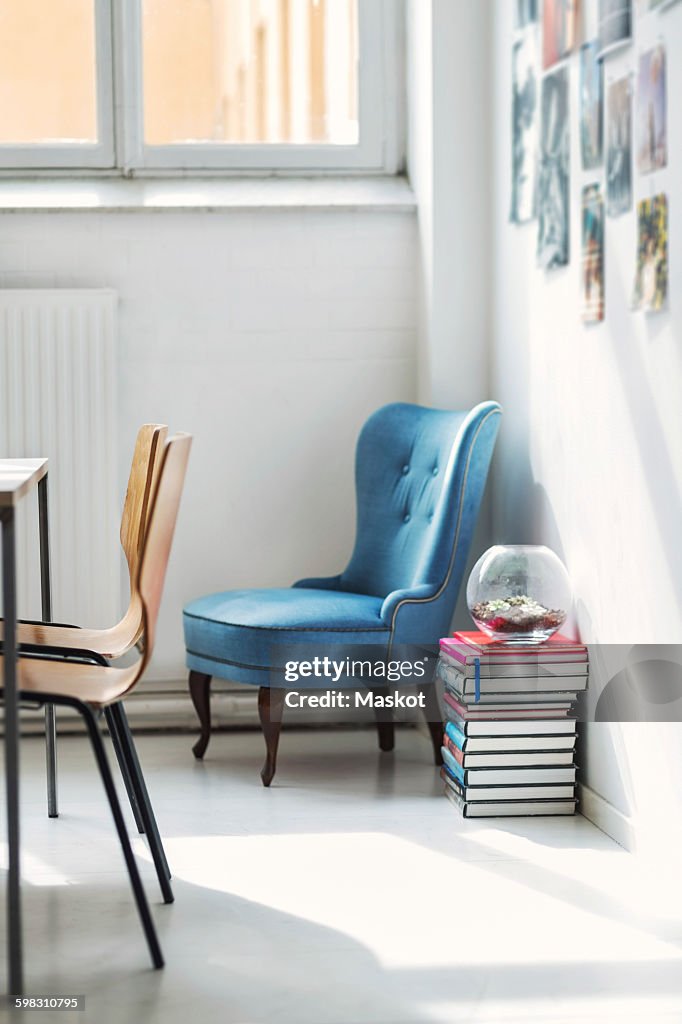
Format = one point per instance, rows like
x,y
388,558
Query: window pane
x,y
250,71
48,89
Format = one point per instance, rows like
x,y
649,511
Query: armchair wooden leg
x,y
433,720
199,689
384,720
270,707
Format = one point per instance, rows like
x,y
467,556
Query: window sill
x,y
209,195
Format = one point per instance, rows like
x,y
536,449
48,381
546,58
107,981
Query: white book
x,y
541,701
509,776
515,727
510,808
484,744
509,669
519,683
518,759
487,794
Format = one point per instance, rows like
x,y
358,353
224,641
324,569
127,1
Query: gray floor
x,y
349,892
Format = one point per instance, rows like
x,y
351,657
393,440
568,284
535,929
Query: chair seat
x,y
97,685
239,634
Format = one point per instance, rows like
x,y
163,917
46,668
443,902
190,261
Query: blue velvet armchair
x,y
420,476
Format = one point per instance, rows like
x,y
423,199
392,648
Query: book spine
x,y
455,735
455,768
454,750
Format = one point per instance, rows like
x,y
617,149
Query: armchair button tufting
x,y
406,470
407,517
435,470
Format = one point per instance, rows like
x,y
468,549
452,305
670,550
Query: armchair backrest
x,y
420,475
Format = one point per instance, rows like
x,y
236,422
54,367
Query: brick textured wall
x,y
270,336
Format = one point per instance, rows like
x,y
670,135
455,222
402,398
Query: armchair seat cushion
x,y
234,634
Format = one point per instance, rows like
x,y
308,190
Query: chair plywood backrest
x,y
159,535
141,482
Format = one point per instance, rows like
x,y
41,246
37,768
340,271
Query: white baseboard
x,y
163,706
607,817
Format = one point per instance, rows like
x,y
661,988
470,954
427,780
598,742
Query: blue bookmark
x,y
477,680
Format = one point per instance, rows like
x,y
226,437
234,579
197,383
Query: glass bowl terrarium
x,y
519,593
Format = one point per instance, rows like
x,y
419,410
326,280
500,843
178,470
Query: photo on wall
x,y
526,13
651,279
587,21
618,148
652,144
553,186
593,254
558,30
615,24
591,105
525,118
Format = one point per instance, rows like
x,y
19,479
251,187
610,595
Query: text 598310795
x,y
47,1002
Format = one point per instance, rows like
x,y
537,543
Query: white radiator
x,y
58,399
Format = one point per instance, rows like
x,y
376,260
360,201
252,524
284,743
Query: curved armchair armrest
x,y
423,592
320,583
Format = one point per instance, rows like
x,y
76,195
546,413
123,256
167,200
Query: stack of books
x,y
510,724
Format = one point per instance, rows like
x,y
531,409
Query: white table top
x,y
17,476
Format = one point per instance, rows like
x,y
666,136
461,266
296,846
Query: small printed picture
x,y
525,118
615,24
558,30
652,147
593,254
553,187
591,103
587,18
526,13
618,148
651,279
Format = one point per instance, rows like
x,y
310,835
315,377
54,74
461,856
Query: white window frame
x,y
121,148
379,39
100,154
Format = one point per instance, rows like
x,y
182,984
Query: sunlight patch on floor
x,y
381,890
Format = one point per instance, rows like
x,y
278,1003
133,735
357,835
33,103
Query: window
x,y
152,85
56,101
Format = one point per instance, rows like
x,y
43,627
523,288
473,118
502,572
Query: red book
x,y
465,647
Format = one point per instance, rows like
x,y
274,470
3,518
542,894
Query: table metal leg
x,y
14,950
46,598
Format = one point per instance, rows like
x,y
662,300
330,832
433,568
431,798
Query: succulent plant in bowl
x,y
519,593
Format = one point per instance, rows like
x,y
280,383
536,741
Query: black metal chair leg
x,y
95,659
118,745
117,713
117,814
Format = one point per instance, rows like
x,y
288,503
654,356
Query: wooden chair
x,y
100,645
117,640
89,688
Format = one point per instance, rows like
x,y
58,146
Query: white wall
x,y
590,454
449,166
448,158
270,336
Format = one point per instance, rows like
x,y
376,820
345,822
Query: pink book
x,y
465,647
